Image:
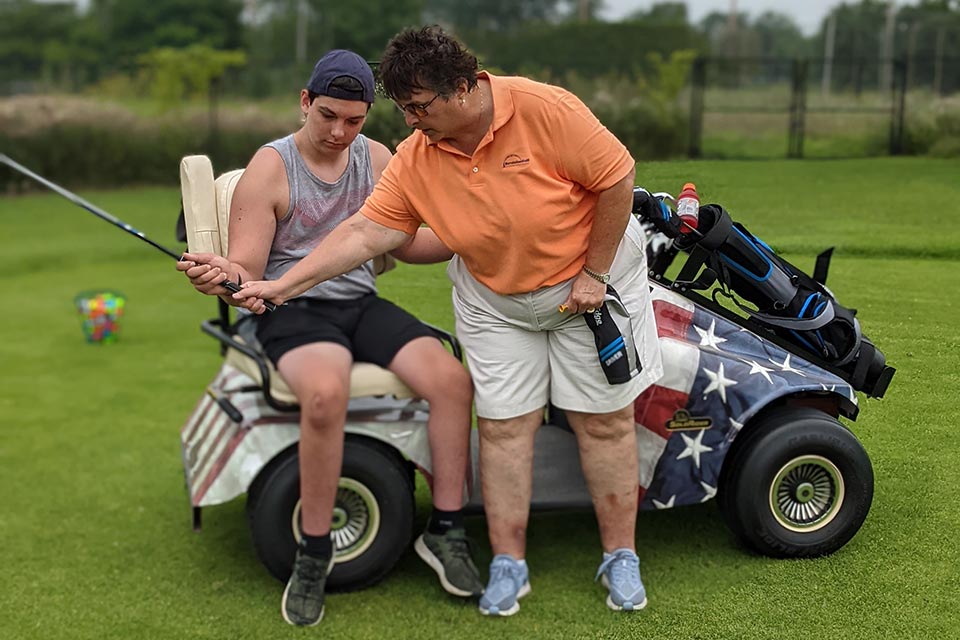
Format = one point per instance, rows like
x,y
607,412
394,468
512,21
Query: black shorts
x,y
373,329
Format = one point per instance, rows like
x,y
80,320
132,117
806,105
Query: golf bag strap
x,y
697,258
701,248
798,324
855,348
718,233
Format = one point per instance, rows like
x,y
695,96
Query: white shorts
x,y
524,353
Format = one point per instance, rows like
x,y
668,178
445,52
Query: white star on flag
x,y
694,447
665,505
709,491
785,366
756,367
718,383
707,336
736,425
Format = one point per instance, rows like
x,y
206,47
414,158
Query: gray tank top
x,y
316,207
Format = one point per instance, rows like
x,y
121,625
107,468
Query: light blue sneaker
x,y
621,575
509,581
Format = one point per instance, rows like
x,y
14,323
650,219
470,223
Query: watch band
x,y
599,277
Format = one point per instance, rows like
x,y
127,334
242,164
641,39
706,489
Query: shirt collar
x,y
503,107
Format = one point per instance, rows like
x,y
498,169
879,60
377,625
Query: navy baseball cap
x,y
340,63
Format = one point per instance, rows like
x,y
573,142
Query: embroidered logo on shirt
x,y
513,160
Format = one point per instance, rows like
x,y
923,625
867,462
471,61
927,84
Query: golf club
x,y
100,213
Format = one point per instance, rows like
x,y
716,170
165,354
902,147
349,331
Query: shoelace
x,y
309,571
623,568
501,569
458,544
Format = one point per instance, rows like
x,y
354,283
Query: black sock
x,y
443,521
316,546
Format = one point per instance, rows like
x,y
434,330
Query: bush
x,y
78,141
83,142
933,127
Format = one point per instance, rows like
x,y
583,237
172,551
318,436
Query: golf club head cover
x,y
648,207
613,334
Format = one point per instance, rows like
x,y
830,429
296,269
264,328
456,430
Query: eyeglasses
x,y
418,110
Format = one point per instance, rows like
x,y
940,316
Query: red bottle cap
x,y
689,191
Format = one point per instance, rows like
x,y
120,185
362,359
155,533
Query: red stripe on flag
x,y
227,426
655,407
191,427
220,463
672,321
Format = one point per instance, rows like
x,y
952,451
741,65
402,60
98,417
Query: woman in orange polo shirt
x,y
533,195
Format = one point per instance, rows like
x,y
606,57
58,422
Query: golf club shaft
x,y
100,213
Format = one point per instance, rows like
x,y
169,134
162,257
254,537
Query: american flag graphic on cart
x,y
717,375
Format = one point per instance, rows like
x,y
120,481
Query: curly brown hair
x,y
425,59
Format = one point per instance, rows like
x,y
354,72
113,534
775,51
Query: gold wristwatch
x,y
599,277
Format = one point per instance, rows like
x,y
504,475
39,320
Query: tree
x,y
779,36
662,13
133,27
26,31
177,74
856,52
493,15
582,10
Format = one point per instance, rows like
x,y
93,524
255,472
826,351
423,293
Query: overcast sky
x,y
806,13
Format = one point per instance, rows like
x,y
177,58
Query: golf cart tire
x,y
797,485
372,521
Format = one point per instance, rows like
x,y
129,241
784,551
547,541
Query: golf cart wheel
x,y
799,484
372,521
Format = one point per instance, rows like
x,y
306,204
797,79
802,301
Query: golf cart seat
x,y
206,209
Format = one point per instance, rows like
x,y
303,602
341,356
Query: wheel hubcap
x,y
355,522
807,493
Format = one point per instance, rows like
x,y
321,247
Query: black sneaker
x,y
303,598
449,555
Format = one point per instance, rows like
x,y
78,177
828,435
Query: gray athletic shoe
x,y
449,555
620,571
509,581
303,598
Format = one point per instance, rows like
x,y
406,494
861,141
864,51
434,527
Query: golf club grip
x,y
234,287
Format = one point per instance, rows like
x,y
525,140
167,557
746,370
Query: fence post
x,y
698,82
898,107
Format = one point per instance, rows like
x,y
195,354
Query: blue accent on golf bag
x,y
793,304
796,307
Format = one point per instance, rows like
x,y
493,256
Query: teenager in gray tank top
x,y
316,207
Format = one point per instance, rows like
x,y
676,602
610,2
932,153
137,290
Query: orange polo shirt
x,y
519,210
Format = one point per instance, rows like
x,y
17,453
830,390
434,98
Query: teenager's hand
x,y
206,271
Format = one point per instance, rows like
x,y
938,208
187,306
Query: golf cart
x,y
741,414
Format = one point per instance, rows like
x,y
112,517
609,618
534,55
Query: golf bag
x,y
798,308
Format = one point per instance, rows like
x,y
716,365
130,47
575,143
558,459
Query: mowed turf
x,y
95,537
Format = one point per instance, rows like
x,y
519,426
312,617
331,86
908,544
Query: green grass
x,y
95,527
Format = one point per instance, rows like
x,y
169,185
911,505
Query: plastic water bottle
x,y
688,207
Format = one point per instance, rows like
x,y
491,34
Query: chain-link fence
x,y
775,107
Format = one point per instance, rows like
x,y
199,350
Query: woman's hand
x,y
586,294
252,294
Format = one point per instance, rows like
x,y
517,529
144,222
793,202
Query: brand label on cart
x,y
683,421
